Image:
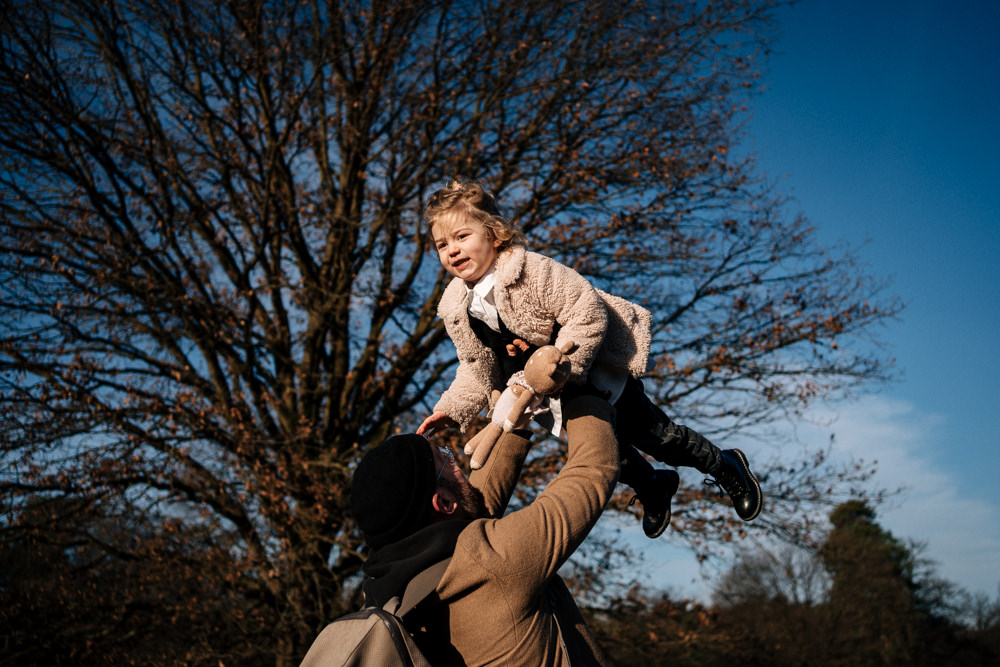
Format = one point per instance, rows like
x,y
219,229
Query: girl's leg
x,y
644,425
654,488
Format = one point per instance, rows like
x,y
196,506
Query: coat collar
x,y
510,265
389,569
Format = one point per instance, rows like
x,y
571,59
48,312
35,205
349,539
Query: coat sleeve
x,y
563,295
528,546
466,397
498,477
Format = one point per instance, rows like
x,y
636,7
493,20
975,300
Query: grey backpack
x,y
376,636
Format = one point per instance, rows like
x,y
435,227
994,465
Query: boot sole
x,y
677,482
760,494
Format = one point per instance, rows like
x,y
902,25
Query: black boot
x,y
655,498
735,478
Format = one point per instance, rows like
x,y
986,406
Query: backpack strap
x,y
419,588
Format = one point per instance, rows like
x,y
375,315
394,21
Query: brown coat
x,y
533,293
500,589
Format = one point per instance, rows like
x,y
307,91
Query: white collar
x,y
482,304
484,285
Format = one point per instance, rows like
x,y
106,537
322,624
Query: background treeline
x,y
862,598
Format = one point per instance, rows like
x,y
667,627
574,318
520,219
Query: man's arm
x,y
498,477
535,541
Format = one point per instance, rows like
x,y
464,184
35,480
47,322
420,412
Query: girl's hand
x,y
517,346
436,422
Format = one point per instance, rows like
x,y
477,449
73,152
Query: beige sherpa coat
x,y
534,292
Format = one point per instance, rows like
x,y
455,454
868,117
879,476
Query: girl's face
x,y
464,246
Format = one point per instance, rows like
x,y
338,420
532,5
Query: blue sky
x,y
883,121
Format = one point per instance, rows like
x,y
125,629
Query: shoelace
x,y
728,484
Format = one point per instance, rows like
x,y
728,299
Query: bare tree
x,y
216,290
786,573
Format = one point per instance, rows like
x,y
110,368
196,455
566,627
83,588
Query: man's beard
x,y
471,503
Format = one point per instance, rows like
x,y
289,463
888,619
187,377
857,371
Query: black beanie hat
x,y
392,489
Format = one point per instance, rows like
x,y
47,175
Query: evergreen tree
x,y
872,604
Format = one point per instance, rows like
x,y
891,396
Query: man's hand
x,y
438,421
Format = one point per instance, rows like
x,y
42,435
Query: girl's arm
x,y
465,398
573,302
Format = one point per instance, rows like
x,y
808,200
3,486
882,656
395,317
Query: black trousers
x,y
641,426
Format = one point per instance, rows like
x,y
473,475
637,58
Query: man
x,y
500,600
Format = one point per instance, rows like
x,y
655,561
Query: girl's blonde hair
x,y
471,200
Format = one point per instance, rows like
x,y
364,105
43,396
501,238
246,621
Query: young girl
x,y
505,302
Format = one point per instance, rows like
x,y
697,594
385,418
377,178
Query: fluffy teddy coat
x,y
533,293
